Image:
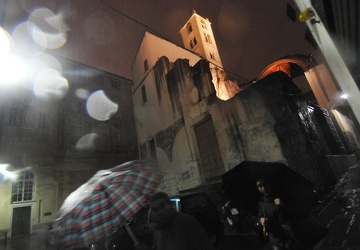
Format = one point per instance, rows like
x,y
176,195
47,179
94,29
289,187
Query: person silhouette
x,y
270,217
175,230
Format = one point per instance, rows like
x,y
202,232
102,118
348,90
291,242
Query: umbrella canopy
x,y
296,192
105,202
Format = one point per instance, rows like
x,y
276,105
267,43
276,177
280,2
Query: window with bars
x,y
23,187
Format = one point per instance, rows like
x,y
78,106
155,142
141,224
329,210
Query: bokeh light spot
x,y
12,69
82,93
50,85
87,142
100,107
5,42
47,29
23,42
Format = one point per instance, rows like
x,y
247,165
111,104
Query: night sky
x,y
249,34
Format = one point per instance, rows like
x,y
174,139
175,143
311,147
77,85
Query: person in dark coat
x,y
271,218
174,230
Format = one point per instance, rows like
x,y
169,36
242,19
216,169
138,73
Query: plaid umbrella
x,y
105,202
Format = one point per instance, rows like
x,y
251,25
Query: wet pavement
x,y
339,211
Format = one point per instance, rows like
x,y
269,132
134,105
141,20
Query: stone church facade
x,y
181,108
196,135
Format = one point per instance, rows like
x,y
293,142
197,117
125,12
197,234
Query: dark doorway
x,y
211,160
21,221
153,149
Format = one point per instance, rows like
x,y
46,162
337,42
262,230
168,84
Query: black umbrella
x,y
295,191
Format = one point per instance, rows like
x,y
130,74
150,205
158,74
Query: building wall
x,y
151,49
243,124
71,144
201,27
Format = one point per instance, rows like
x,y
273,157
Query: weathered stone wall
x,y
185,96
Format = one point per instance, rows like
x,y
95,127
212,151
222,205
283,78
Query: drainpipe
x,y
331,54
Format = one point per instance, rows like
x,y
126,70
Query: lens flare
x,y
100,107
47,29
12,69
87,142
82,93
5,42
23,42
50,85
5,174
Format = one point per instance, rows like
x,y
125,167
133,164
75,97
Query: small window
x,y
114,84
42,120
189,28
195,41
191,44
153,150
212,56
23,187
207,38
146,65
12,116
203,24
143,91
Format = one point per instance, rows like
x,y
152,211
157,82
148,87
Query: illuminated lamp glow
x,y
23,42
306,15
344,96
50,85
5,174
5,42
12,69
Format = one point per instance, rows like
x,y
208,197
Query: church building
x,y
199,124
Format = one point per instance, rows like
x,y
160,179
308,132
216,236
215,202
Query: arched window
x,y
207,38
189,28
203,24
23,187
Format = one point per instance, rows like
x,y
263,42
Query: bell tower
x,y
197,36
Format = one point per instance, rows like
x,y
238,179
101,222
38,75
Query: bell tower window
x,y
189,28
207,38
203,24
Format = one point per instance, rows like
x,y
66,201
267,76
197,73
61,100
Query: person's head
x,y
263,186
161,208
